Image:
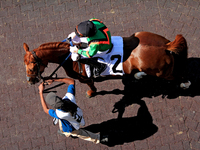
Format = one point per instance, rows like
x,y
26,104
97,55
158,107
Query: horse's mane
x,y
51,45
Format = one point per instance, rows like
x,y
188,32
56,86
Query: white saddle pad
x,y
113,59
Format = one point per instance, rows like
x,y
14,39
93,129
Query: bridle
x,y
38,63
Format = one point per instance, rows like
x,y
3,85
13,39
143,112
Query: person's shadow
x,y
123,130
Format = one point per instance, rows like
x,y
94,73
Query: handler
x,y
67,113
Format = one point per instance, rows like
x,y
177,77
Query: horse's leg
x,y
86,80
139,75
90,83
185,85
92,90
180,74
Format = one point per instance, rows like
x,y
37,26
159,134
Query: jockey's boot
x,y
98,67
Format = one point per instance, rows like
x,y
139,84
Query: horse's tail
x,y
178,46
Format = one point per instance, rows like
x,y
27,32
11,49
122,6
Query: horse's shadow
x,y
119,131
122,130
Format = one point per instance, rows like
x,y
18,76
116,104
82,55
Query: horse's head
x,y
34,66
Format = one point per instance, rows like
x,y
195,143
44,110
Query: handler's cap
x,y
53,100
85,29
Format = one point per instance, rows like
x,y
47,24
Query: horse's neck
x,y
53,55
58,56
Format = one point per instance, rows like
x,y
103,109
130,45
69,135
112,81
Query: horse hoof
x,y
139,75
185,85
90,94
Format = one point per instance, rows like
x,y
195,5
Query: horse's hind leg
x,y
185,85
139,75
182,81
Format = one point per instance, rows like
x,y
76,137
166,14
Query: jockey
x,y
99,42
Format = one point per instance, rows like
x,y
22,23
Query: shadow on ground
x,y
123,130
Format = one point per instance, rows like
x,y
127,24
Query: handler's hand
x,y
49,82
41,87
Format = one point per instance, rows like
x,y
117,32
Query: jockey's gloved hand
x,y
73,49
71,35
75,56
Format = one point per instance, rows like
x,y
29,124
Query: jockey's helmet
x,y
86,29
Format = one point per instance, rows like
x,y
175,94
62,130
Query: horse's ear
x,y
26,48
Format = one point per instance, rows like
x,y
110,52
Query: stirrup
x,y
97,71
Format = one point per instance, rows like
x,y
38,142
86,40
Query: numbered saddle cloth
x,y
112,58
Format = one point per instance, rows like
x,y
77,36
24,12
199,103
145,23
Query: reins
x,y
71,43
60,65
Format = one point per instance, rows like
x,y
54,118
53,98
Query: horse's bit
x,y
38,62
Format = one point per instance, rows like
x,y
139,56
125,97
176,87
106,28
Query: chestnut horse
x,y
145,53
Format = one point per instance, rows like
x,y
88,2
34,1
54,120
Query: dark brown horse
x,y
144,54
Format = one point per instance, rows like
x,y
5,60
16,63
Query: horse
x,y
145,53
